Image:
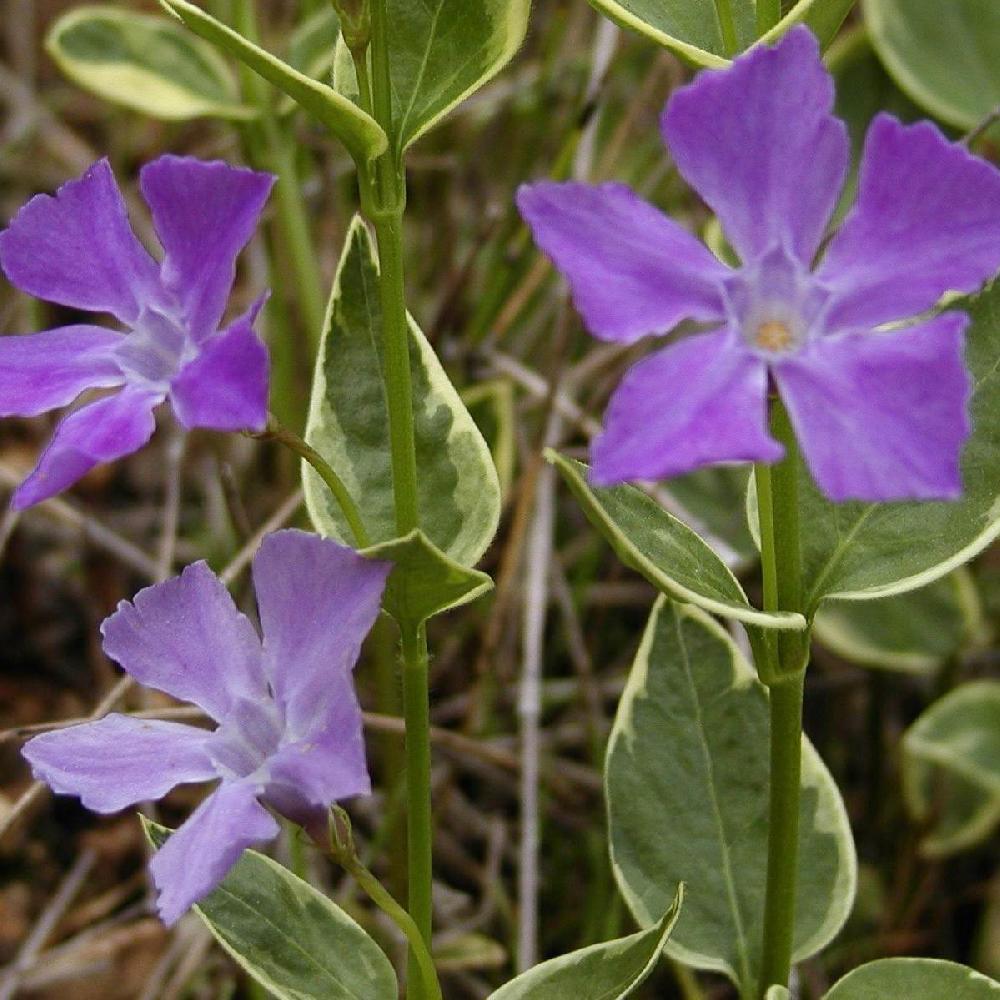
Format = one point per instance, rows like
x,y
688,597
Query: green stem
x,y
289,439
399,391
727,25
276,151
385,207
296,232
768,15
384,900
784,673
418,774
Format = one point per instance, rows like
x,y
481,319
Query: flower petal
x,y
308,776
119,761
225,386
882,416
204,214
759,143
98,432
78,249
697,402
187,638
317,602
632,270
201,852
43,371
927,221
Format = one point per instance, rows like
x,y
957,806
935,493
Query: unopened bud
x,y
355,22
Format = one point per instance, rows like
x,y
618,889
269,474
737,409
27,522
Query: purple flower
x,y
880,414
289,732
77,249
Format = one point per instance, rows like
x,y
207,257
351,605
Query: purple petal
x,y
204,214
43,371
759,143
695,403
317,601
927,221
201,852
225,387
187,638
307,777
99,432
78,249
120,761
632,270
882,416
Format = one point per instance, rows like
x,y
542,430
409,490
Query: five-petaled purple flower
x,y
77,249
289,732
880,414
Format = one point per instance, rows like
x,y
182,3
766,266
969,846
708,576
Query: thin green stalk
x,y
384,900
777,492
418,774
727,25
296,232
289,439
768,15
276,151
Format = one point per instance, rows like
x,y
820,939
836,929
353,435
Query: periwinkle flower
x,y
289,730
881,414
78,249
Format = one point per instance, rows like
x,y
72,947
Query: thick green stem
x,y
385,201
399,391
727,25
784,672
418,775
289,439
768,15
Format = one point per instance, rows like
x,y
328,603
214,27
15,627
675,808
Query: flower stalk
x,y
289,439
727,26
783,670
343,853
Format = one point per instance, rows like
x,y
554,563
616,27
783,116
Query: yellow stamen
x,y
774,335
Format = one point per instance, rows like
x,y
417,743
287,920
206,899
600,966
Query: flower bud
x,y
355,22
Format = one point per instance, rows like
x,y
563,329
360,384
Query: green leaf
x,y
665,550
777,993
459,492
148,64
711,500
425,582
912,633
288,936
609,971
922,41
311,51
441,51
492,407
691,27
358,131
866,551
914,979
951,768
687,791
